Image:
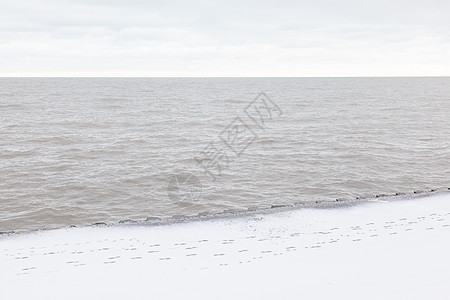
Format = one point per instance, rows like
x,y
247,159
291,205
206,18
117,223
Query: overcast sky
x,y
224,38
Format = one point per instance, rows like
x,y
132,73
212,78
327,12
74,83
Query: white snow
x,y
397,249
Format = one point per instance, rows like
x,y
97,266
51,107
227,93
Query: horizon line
x,y
388,76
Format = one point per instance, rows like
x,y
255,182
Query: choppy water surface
x,y
77,151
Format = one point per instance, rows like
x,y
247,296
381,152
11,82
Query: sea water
x,y
75,151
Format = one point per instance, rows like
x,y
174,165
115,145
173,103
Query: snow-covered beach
x,y
389,248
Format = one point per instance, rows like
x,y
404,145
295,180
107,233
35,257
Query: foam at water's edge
x,y
232,213
229,213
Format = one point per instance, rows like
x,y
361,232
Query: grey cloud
x,y
168,35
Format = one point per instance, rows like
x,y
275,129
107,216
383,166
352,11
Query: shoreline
x,y
235,213
386,249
